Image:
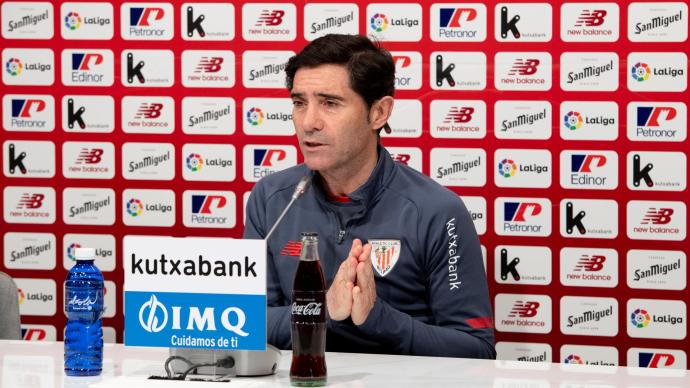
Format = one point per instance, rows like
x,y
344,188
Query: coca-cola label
x,y
309,305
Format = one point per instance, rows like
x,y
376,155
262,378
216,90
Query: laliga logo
x,y
572,120
14,66
255,116
134,207
71,251
73,21
201,321
640,318
640,72
507,168
379,22
194,162
573,359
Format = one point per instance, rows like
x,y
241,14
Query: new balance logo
x,y
402,158
141,17
149,111
509,268
572,221
444,74
459,115
270,18
589,18
660,216
516,211
16,161
194,24
655,360
30,201
640,174
524,67
648,116
203,204
266,157
509,25
584,163
75,116
524,309
456,17
292,248
593,263
89,156
209,65
25,108
82,62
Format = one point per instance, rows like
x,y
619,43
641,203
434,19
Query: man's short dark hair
x,y
370,67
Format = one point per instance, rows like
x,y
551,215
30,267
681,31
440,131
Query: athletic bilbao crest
x,y
384,255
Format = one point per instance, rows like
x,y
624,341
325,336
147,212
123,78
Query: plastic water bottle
x,y
84,307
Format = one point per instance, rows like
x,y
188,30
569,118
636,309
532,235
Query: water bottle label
x,y
83,299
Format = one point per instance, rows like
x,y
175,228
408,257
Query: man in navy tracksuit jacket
x,y
418,285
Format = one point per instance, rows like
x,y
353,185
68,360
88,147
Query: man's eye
x,y
331,103
297,104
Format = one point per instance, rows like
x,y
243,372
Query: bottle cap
x,y
85,253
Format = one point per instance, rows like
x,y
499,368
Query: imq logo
x,y
458,70
522,71
657,358
147,68
92,114
656,171
269,21
589,218
208,209
657,72
264,160
654,318
93,21
28,113
589,169
458,119
523,22
657,121
656,220
146,21
27,20
522,265
522,216
522,120
395,22
589,316
523,313
208,21
459,22
656,270
658,22
588,22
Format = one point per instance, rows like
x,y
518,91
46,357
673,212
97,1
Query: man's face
x,y
331,121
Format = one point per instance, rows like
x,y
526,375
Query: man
x,y
9,307
418,285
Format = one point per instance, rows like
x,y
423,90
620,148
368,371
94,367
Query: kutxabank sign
x,y
195,292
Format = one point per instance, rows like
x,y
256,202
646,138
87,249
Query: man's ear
x,y
380,112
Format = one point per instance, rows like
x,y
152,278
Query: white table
x,y
40,365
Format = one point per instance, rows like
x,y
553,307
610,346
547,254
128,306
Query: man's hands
x,y
353,291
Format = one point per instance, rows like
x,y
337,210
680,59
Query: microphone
x,y
300,189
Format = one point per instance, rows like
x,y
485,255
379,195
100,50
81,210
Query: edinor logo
x,y
194,162
572,120
378,22
255,116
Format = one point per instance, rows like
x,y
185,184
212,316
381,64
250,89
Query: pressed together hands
x,y
353,291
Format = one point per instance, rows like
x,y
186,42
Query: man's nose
x,y
311,120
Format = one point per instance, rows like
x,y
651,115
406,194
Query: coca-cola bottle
x,y
308,367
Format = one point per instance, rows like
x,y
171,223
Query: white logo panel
x,y
88,21
28,67
656,220
523,22
29,205
28,113
588,22
658,22
109,302
530,120
657,72
454,70
522,168
27,20
208,209
29,251
28,159
37,296
88,206
207,21
208,162
522,71
656,270
517,216
476,206
588,355
268,116
589,218
589,267
519,313
657,358
656,319
147,68
459,166
208,69
142,207
88,160
589,120
38,333
394,22
148,161
264,160
208,115
335,18
146,21
589,316
515,264
589,169
523,351
405,120
150,114
458,22
408,70
90,67
458,119
104,244
657,121
264,69
88,114
409,156
657,171
269,22
589,71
